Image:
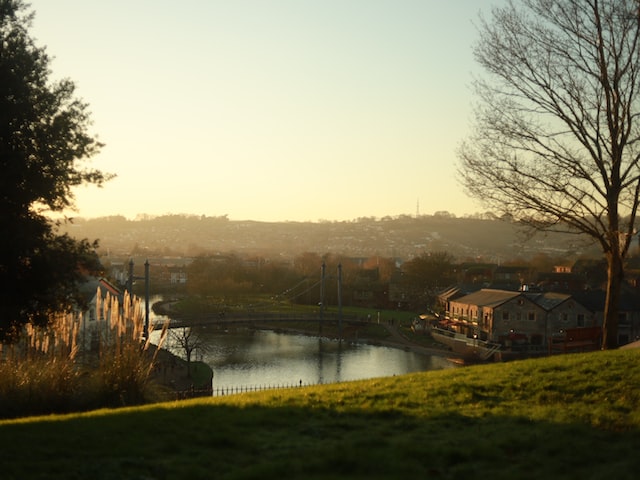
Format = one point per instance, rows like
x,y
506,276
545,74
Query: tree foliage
x,y
427,273
44,138
433,270
556,143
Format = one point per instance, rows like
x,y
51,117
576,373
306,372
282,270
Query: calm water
x,y
243,358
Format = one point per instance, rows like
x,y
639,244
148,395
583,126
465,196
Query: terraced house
x,y
93,320
508,317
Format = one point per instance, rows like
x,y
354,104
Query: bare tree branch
x,y
556,140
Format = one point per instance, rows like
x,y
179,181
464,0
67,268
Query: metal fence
x,y
234,389
220,391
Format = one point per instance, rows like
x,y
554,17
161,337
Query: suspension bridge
x,y
178,321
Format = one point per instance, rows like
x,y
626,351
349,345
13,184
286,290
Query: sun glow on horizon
x,y
273,111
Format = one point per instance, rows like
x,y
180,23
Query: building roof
x,y
89,288
457,291
548,300
595,300
488,297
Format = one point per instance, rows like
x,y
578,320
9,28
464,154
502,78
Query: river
x,y
256,358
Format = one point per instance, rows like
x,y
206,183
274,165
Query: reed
x,y
50,370
125,363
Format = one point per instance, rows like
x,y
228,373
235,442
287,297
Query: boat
x,y
469,349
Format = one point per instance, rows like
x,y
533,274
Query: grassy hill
x,y
572,416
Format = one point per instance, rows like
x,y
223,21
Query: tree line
x,y
373,282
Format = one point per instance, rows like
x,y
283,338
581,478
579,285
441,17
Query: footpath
x,y
398,340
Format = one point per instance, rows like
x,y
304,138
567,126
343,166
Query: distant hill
x,y
401,237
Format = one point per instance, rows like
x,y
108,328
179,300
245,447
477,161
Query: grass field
x,y
241,303
572,416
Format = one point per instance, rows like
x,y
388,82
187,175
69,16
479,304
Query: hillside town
x,y
523,304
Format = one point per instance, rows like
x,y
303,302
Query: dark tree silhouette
x,y
556,144
43,139
187,340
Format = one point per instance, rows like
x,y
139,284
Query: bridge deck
x,y
252,318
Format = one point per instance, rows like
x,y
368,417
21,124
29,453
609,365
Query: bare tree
x,y
188,340
556,142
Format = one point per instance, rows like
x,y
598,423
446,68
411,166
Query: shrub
x,y
48,371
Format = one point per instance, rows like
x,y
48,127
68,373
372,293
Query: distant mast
x,y
418,208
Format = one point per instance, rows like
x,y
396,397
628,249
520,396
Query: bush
x,y
48,371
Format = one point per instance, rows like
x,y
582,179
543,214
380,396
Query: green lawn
x,y
572,416
242,303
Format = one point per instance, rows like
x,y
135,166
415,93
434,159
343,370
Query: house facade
x,y
628,312
93,319
506,316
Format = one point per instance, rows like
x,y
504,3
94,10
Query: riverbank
x,y
398,340
394,339
173,378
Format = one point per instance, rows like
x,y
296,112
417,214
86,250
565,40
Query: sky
x,y
270,110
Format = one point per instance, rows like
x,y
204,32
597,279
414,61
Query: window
x,y
532,316
580,320
622,318
505,315
564,318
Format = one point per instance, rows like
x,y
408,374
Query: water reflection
x,y
243,357
255,358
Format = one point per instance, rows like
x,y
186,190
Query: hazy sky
x,y
270,109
